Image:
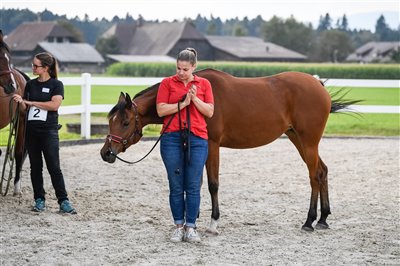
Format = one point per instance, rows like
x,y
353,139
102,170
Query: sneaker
x,y
39,205
178,235
192,235
65,207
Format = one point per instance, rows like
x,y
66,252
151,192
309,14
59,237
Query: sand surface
x,y
124,217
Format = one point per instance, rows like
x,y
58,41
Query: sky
x,y
168,10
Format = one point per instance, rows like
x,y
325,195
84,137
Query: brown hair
x,y
189,54
49,61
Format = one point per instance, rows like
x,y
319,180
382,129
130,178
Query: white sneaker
x,y
192,235
178,235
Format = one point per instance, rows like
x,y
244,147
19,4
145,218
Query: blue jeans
x,y
184,179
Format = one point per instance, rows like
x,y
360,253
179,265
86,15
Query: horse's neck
x,y
147,109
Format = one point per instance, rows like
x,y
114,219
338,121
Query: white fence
x,y
86,81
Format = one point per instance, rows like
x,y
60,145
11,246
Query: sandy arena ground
x,y
124,218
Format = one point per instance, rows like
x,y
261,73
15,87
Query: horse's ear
x,y
128,101
121,97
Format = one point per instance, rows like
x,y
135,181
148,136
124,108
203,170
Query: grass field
x,y
338,124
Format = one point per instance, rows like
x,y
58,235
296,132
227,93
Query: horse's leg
x,y
317,173
20,155
212,166
311,159
324,196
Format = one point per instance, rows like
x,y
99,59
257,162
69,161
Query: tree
x,y
78,36
289,33
395,56
129,18
255,26
212,28
239,30
361,37
332,46
325,23
343,24
382,30
108,46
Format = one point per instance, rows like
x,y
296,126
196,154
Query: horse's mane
x,y
155,86
5,46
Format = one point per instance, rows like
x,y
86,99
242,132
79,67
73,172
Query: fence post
x,y
85,101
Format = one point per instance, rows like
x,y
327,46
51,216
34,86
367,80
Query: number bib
x,y
36,113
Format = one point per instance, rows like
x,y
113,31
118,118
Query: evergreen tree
x,y
325,23
344,24
382,30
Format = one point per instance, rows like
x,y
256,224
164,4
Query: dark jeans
x,y
45,141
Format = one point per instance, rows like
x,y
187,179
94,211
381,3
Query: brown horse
x,y
249,112
12,82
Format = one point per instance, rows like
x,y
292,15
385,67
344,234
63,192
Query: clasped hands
x,y
190,96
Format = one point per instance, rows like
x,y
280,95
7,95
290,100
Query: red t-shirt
x,y
172,90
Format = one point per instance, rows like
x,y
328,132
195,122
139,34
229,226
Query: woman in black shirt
x,y
43,97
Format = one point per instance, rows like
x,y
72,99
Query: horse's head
x,y
7,79
125,128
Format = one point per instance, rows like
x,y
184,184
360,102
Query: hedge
x,y
241,69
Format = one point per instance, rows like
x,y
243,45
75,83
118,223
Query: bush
x,y
243,69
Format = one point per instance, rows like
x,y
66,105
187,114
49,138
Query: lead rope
x,y
185,133
9,158
159,138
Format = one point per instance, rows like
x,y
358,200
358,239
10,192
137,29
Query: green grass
x,y
342,124
100,94
338,124
371,96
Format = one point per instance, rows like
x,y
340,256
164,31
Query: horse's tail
x,y
339,103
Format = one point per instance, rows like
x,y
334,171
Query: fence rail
x,y
86,81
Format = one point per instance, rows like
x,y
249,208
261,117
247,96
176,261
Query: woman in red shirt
x,y
188,99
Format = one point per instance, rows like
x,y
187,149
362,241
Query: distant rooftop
x,y
239,46
73,52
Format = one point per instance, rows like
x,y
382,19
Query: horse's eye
x,y
126,123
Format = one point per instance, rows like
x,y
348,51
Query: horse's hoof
x,y
307,228
321,226
212,232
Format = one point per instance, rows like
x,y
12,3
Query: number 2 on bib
x,y
36,113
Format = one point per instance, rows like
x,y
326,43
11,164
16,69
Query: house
x,y
159,39
73,57
34,37
374,52
232,48
169,38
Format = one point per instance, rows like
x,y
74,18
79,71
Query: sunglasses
x,y
36,66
